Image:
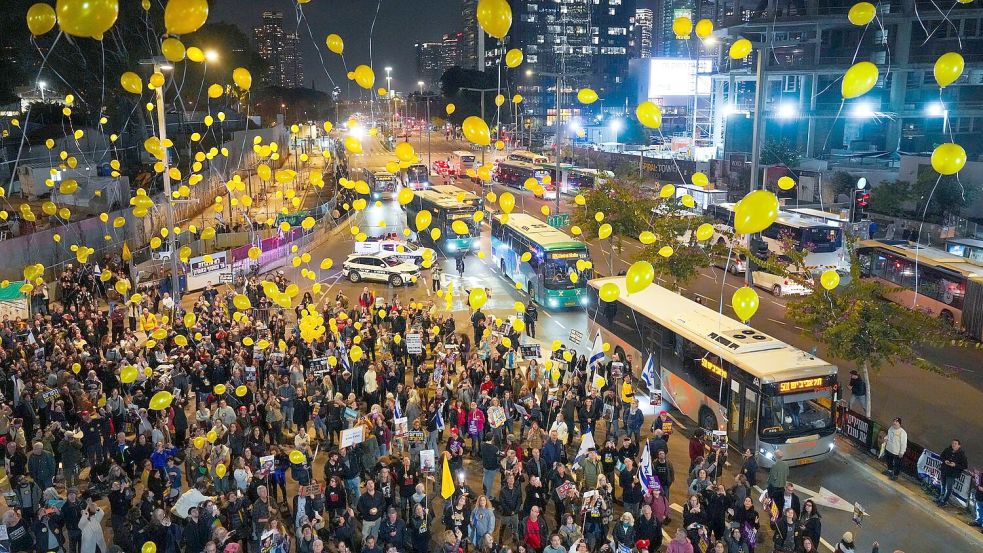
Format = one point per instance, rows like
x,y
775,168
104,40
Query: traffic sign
x,y
559,220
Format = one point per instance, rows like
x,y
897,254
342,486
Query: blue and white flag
x,y
586,444
645,474
596,356
439,418
397,410
648,374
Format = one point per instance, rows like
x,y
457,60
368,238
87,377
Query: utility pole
x,y
756,136
159,65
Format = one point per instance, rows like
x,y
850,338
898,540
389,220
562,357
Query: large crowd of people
x,y
143,428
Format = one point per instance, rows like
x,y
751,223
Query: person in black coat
x,y
953,464
197,530
392,531
648,528
48,533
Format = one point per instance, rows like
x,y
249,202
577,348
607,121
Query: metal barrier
x,y
918,462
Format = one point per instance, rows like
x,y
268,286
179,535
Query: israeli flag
x,y
397,411
645,474
439,418
648,374
596,356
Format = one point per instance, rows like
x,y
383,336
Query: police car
x,y
406,251
380,267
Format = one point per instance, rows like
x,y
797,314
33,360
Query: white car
x,y
779,285
381,268
737,265
406,251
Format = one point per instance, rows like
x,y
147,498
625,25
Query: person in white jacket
x,y
895,445
93,539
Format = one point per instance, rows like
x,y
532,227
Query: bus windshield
x,y
465,216
796,413
559,265
822,239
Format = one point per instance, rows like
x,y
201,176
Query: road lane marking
x,y
776,321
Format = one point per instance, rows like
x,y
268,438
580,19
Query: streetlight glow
x,y
935,109
787,110
211,55
862,109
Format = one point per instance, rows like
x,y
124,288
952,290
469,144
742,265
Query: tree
x,y
781,152
629,212
857,324
931,197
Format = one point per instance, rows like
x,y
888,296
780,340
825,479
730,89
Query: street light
x,y
787,110
389,90
41,85
211,56
420,84
160,65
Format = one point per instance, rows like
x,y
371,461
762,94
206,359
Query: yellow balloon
x,y
682,27
649,114
477,298
173,49
404,196
128,374
740,49
859,79
365,77
297,457
149,547
494,17
476,131
199,443
460,227
423,220
183,17
639,276
948,158
87,18
604,231
665,251
335,44
435,234
241,390
499,100
861,13
242,78
353,145
195,54
161,400
700,179
241,302
755,212
745,302
221,470
40,19
704,28
786,183
609,292
513,58
829,279
948,68
356,353
646,237
507,202
254,253
219,389
404,151
211,436
704,232
586,96
215,91
667,191
449,109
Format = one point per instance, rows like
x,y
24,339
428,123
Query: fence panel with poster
x,y
918,462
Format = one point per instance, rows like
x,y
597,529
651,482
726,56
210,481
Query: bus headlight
x,y
768,455
584,300
554,303
451,246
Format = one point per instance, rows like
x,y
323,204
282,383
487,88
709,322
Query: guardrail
x,y
919,462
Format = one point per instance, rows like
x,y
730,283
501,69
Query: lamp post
x,y
161,65
389,91
41,85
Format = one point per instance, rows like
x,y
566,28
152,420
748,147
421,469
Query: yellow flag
x,y
127,256
446,481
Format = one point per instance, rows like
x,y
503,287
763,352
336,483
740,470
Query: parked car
x,y
782,285
381,268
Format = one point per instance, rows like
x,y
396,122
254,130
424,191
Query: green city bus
x,y
446,204
553,258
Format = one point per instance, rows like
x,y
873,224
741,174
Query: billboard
x,y
677,77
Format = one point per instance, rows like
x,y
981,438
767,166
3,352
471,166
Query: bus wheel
x,y
708,420
946,317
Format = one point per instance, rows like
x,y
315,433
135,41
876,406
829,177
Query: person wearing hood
x,y
680,543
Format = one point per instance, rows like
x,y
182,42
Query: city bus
x,y
765,394
417,177
825,216
525,156
445,208
461,161
553,258
459,194
823,240
516,173
946,285
965,247
381,183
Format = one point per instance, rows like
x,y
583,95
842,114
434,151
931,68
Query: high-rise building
x,y
643,33
280,51
453,50
586,41
429,62
472,35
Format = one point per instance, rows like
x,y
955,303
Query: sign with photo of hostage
x,y
428,461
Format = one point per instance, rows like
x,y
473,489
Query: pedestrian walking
x,y
459,265
777,477
530,317
435,277
858,393
894,447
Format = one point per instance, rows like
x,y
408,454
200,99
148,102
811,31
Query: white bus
x,y
526,156
461,161
765,394
823,240
825,216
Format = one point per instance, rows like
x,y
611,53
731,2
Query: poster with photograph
x,y
496,416
428,461
352,436
401,426
266,462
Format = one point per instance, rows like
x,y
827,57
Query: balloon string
x,y
945,20
27,119
918,239
301,16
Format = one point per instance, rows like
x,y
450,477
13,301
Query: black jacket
x,y
958,457
649,529
393,532
509,500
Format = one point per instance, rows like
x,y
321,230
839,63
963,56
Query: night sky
x,y
400,24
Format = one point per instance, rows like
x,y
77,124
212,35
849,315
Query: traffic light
x,y
861,199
